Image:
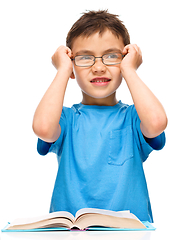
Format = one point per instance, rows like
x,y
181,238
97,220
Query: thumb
x,y
126,49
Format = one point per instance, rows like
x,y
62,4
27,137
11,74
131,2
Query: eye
x,y
86,57
112,56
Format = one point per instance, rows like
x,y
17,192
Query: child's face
x,y
98,81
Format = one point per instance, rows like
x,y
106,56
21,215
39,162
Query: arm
x,y
150,111
47,115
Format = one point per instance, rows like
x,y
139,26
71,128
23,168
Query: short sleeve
x,y
146,145
44,147
158,142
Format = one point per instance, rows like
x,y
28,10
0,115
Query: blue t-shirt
x,y
100,154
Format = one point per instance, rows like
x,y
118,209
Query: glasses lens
x,y
85,60
112,58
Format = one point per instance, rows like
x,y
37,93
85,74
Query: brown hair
x,y
97,21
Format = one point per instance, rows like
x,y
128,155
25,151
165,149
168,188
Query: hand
x,y
62,59
132,59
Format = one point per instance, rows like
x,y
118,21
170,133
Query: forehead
x,y
97,43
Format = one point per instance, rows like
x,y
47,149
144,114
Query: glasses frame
x,y
102,57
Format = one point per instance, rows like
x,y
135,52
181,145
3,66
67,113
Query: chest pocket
x,y
121,146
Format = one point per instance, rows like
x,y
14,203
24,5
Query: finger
x,y
139,53
60,47
138,50
69,52
133,47
126,49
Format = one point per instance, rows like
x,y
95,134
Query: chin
x,y
100,96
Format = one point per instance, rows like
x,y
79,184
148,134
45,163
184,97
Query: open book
x,y
85,219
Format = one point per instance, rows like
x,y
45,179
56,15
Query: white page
x,y
22,221
123,214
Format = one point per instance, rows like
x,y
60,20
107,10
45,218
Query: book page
x,y
22,221
48,223
92,219
122,214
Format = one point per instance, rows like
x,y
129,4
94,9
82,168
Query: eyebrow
x,y
88,52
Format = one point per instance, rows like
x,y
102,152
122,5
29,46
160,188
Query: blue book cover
x,y
149,227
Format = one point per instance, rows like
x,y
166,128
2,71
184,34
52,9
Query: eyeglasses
x,y
89,60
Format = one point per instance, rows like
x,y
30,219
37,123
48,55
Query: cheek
x,y
118,82
80,75
77,74
116,74
80,83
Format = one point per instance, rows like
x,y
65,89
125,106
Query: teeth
x,y
99,81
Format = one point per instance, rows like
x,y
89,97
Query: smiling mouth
x,y
100,80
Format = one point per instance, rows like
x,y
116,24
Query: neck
x,y
107,101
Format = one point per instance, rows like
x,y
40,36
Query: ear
x,y
72,76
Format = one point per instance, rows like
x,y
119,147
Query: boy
x,y
101,143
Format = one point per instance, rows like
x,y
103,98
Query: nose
x,y
98,65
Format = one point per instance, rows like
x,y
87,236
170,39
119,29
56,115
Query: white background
x,y
30,33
